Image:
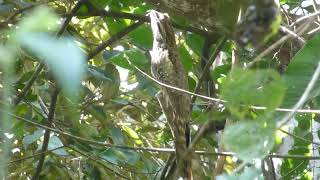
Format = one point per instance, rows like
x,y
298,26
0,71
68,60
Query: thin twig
x,y
113,39
207,66
221,100
298,137
158,150
298,32
303,98
46,138
99,162
305,18
31,156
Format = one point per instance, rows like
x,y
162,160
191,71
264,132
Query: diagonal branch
x,y
113,39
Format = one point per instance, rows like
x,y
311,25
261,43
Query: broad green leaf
x,y
249,140
131,156
116,135
29,139
133,134
142,37
99,74
300,71
244,88
130,57
186,58
120,60
137,58
220,71
107,54
195,42
63,56
115,25
88,131
111,155
55,142
97,112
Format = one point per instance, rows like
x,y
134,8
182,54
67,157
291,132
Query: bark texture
x,y
167,68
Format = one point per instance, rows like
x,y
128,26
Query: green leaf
x,y
142,36
115,25
97,112
300,71
99,74
133,134
117,135
55,142
29,139
107,54
249,140
63,56
244,88
134,57
137,58
131,156
120,60
220,71
111,155
186,58
195,42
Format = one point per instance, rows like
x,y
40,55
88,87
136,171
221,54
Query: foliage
x,y
107,122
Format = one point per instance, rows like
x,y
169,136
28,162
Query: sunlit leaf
x,y
133,134
142,36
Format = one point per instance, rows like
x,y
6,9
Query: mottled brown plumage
x,y
167,68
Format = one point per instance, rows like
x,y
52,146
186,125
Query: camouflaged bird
x,y
167,68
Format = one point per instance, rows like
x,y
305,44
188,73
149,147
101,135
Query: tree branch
x,y
149,149
206,68
113,39
124,15
31,156
46,138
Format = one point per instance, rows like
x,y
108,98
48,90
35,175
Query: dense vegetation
x,y
78,100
